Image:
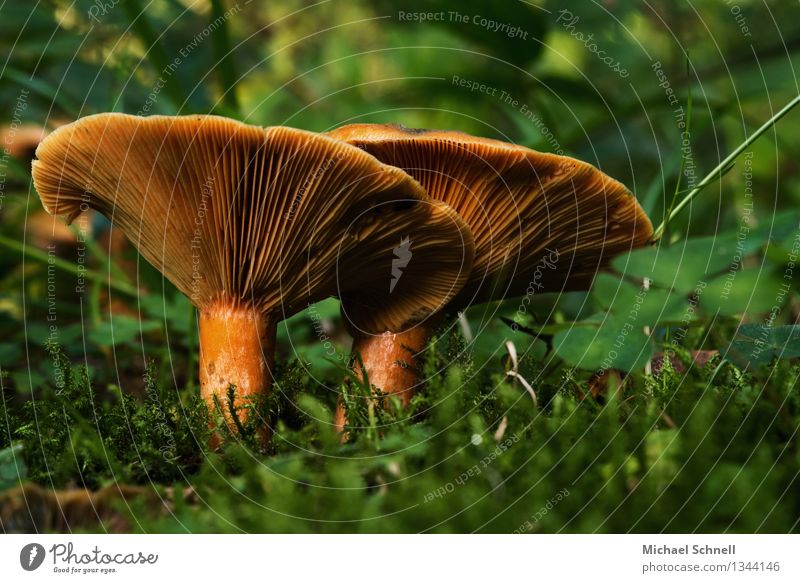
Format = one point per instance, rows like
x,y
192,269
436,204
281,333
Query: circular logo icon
x,y
31,556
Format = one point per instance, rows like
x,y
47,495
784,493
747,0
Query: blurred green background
x,y
607,82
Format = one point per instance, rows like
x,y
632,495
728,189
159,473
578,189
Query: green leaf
x,y
12,467
612,343
172,310
644,307
489,344
9,354
682,265
120,330
749,290
756,344
781,228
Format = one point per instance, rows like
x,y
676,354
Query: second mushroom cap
x,y
525,208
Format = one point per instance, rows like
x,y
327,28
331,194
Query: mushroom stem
x,y
391,361
237,346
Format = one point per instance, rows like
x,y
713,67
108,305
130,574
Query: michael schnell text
x,y
685,550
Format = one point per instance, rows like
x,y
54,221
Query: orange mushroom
x,y
398,314
522,207
253,225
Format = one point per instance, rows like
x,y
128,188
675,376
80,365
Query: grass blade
x,y
682,167
717,172
45,90
57,262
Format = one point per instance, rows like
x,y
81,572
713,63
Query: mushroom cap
x,y
541,222
274,218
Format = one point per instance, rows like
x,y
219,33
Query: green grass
x,y
711,450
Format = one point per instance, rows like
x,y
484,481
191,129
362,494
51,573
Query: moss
x,y
705,451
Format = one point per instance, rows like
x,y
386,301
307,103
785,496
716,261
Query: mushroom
x,y
540,222
253,225
387,342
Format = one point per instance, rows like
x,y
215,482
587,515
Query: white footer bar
x,y
401,558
